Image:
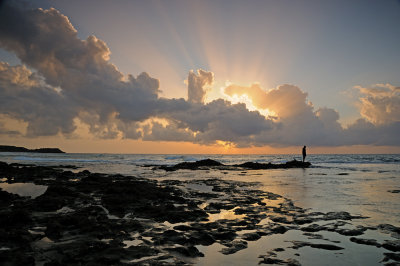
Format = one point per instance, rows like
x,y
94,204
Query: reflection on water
x,y
225,214
352,254
24,189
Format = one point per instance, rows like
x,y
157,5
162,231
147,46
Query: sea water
x,y
357,183
360,184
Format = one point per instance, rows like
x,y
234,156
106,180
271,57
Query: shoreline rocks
x,y
208,164
103,219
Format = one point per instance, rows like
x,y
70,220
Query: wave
x,y
137,159
184,158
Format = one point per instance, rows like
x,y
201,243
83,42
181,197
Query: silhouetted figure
x,y
304,153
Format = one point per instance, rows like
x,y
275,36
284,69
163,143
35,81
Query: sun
x,y
244,98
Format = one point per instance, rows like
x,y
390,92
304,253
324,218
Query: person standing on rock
x,y
304,153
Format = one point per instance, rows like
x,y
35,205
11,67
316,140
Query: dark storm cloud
x,y
24,96
74,78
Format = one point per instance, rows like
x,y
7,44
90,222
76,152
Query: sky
x,y
201,76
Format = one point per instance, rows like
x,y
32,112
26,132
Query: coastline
x,y
107,219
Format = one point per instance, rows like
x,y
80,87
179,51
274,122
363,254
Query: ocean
x,y
361,184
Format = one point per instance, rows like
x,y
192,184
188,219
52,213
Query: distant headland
x,y
7,148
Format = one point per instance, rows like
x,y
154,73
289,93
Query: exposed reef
x,y
86,218
212,164
7,148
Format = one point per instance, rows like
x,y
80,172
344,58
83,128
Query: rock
x,y
172,237
192,165
302,220
279,229
391,229
11,257
391,256
341,216
392,245
224,234
268,260
251,236
187,251
351,232
248,165
7,198
234,247
290,164
363,241
300,244
313,228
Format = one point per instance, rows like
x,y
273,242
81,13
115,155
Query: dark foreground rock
x,y
86,218
208,163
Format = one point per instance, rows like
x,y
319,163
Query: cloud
x,y
297,122
65,83
24,96
380,103
197,83
74,79
285,101
221,120
4,131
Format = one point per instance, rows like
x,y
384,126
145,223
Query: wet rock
x,y
268,260
363,241
187,251
14,217
392,245
192,165
172,237
391,256
202,238
251,236
300,244
6,198
12,257
313,228
55,197
248,165
223,234
390,229
341,216
302,220
394,191
359,230
290,164
234,247
279,229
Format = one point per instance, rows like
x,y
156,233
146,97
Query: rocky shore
x,y
212,164
85,218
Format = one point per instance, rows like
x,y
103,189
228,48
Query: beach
x,y
121,209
